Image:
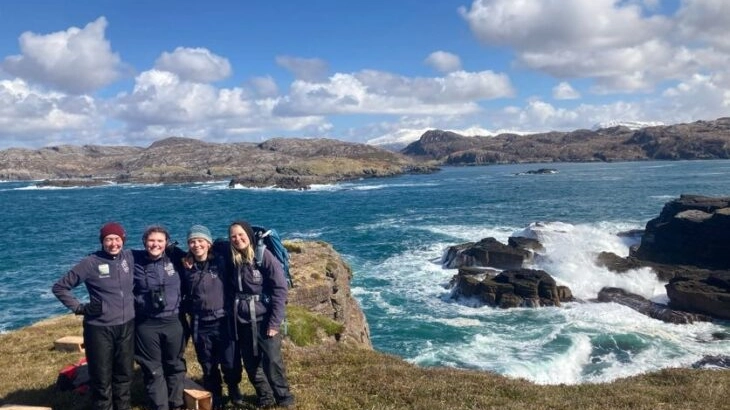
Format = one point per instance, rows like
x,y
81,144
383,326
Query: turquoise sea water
x,y
393,232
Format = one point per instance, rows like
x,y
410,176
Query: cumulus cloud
x,y
194,64
706,21
379,92
444,62
305,69
265,86
163,104
619,44
564,91
30,117
701,96
75,61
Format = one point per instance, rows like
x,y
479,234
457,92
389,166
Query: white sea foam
x,y
305,235
325,187
269,188
575,343
362,186
211,185
663,198
470,233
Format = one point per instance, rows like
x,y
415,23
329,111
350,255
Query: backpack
x,y
270,239
74,377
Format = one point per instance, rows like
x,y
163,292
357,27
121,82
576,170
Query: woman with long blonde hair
x,y
259,307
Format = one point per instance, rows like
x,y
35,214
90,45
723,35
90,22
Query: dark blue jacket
x,y
204,289
108,280
157,290
266,280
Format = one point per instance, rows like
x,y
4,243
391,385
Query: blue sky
x,y
117,72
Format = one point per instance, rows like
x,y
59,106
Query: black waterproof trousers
x,y
110,359
265,370
159,351
215,348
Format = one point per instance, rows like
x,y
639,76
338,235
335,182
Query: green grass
x,y
307,328
343,377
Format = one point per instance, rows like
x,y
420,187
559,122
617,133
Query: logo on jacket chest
x,y
104,270
256,276
169,269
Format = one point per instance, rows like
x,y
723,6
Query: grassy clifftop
x,y
345,376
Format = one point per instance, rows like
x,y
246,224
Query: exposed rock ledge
x,y
322,285
687,245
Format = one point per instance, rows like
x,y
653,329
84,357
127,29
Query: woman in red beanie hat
x,y
108,317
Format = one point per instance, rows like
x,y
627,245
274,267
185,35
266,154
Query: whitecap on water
x,y
575,343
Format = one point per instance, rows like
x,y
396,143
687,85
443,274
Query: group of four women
x,y
144,304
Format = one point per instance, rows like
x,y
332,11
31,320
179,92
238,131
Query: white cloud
x,y
32,117
707,21
265,86
305,69
75,61
162,104
444,62
618,44
194,64
376,92
163,97
702,96
564,91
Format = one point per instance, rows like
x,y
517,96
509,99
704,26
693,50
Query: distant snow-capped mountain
x,y
632,125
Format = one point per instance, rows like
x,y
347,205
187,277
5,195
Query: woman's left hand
x,y
271,332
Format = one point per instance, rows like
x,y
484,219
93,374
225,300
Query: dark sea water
x,y
393,232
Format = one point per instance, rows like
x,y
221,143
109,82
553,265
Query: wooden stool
x,y
69,344
195,397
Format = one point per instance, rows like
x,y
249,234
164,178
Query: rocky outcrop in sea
x,y
687,245
479,278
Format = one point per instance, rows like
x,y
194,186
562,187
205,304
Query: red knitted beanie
x,y
112,228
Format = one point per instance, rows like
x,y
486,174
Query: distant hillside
x,y
286,163
298,163
698,140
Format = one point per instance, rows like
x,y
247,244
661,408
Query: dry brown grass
x,y
342,377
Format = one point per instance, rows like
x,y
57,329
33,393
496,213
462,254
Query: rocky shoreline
x,y
686,246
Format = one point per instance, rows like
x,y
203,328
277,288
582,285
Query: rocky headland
x,y
697,140
321,284
283,163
